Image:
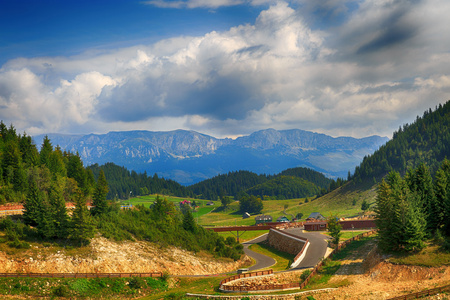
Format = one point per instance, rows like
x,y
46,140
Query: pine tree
x,y
189,221
76,171
414,227
46,151
58,209
420,181
32,205
335,229
46,224
442,190
99,198
385,211
83,226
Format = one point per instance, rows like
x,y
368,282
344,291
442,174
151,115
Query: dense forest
x,y
44,181
291,183
427,140
414,208
124,183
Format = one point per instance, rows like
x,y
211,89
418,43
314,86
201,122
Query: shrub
x,y
305,275
136,283
61,291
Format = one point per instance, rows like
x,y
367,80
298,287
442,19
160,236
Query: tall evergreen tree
x,y
99,198
442,190
32,205
60,217
83,226
420,182
189,221
46,151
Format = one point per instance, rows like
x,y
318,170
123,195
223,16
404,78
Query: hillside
x,y
189,157
106,256
426,140
291,183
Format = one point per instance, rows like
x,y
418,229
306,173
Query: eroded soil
x,y
104,256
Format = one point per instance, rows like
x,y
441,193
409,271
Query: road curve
x,y
262,261
316,250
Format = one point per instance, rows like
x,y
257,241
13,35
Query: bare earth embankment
x,y
104,256
370,277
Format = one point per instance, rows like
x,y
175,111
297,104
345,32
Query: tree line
x,y
426,140
413,208
46,181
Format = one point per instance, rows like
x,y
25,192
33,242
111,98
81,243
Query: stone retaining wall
x,y
285,243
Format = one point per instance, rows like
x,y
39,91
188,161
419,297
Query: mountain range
x,y
189,157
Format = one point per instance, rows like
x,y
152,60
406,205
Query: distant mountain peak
x,y
189,156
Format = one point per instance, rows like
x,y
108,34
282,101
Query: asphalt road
x,y
317,247
262,261
316,250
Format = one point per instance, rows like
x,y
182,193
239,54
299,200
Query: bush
x,y
61,291
136,283
305,275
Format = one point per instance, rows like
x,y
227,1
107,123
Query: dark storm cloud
x,y
392,31
221,98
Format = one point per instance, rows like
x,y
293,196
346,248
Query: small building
x,y
210,203
246,215
283,219
315,226
315,216
261,219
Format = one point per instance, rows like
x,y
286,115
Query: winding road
x,y
262,261
316,251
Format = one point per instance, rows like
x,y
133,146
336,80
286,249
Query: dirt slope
x,y
105,256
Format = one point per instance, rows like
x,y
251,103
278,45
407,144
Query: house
x,y
246,215
283,219
315,216
263,219
185,202
315,226
210,203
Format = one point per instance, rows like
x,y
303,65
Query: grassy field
x,y
431,256
343,202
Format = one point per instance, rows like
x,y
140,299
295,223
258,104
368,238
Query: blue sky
x,y
222,67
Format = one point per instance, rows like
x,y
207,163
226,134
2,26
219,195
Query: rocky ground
x,y
105,256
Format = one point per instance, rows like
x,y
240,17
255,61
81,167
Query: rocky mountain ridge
x,y
189,156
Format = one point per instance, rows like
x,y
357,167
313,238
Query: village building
x,y
261,219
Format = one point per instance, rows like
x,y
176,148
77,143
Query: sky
x,y
222,67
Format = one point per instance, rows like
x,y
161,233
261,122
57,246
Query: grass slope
x,y
343,202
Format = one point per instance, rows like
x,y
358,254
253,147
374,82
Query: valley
x,y
124,221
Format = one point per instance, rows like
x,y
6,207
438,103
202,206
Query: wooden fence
x,y
423,293
82,275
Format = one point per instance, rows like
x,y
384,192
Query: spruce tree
x,y
420,181
58,209
189,221
46,151
32,205
335,229
99,198
442,190
82,225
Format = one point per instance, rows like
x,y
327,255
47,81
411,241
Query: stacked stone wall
x,y
285,243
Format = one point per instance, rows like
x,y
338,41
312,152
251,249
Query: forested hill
x,y
291,183
22,165
426,140
124,183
